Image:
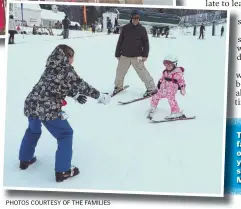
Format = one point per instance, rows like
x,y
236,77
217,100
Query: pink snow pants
x,y
170,95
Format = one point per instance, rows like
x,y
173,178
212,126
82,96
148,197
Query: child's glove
x,y
80,98
104,98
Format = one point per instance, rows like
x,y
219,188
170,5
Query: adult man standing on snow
x,y
66,23
133,49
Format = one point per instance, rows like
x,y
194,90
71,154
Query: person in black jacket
x,y
202,29
158,32
43,106
133,49
93,27
34,30
167,31
154,31
66,23
109,26
194,30
222,31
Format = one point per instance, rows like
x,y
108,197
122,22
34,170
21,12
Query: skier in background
x,y
166,31
171,81
222,31
162,29
194,30
34,30
158,32
11,29
18,29
154,31
44,104
102,26
66,24
109,26
117,29
202,29
93,27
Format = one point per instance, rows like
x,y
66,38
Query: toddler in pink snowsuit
x,y
171,81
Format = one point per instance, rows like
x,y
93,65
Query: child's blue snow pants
x,y
61,130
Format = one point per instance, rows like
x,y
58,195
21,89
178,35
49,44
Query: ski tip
x,y
171,120
154,121
121,103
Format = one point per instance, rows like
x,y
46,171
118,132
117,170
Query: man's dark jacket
x,y
133,41
66,23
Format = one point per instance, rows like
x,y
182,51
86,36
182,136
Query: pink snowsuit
x,y
168,86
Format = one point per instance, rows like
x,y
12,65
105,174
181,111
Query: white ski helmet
x,y
171,58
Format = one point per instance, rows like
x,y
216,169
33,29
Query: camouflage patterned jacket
x,y
58,81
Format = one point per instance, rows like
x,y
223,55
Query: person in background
x,y
166,31
202,29
34,30
158,32
66,24
109,26
11,29
18,29
222,31
194,30
154,31
93,27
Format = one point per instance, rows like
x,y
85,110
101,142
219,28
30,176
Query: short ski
x,y
134,100
122,89
171,120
